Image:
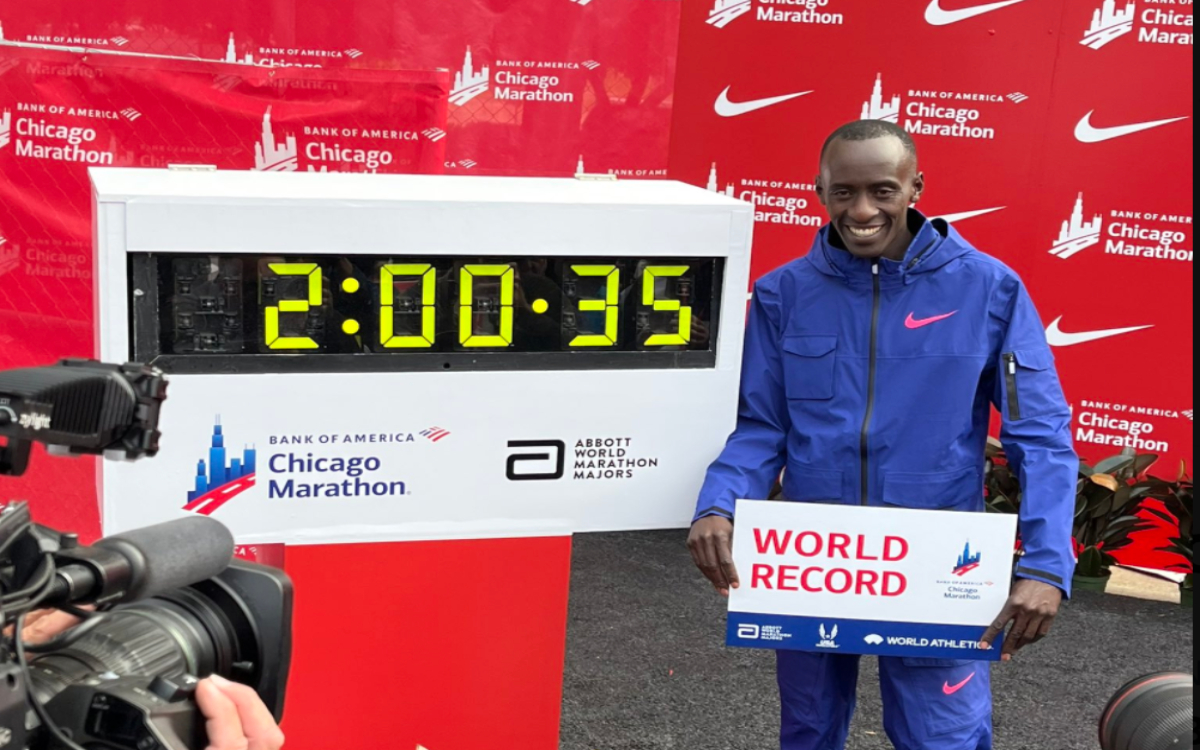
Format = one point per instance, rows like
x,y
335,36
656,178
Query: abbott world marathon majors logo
x,y
298,467
1154,21
949,114
590,459
1121,233
51,132
326,148
805,12
518,80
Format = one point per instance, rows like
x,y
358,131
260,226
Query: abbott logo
x,y
544,454
749,632
1109,24
5,128
1077,235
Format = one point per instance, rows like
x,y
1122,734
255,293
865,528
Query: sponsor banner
x,y
540,83
848,579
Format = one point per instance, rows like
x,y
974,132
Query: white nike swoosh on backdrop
x,y
1057,337
936,16
726,108
951,218
1086,132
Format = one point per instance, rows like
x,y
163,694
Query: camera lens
x,y
1151,713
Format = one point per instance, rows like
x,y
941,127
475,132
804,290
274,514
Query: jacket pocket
x,y
1031,386
808,367
947,490
803,483
955,691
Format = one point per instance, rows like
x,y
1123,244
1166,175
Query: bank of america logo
x,y
468,82
967,561
582,2
591,64
219,480
1109,24
1188,414
434,134
1077,235
877,109
120,41
5,128
354,53
435,434
131,114
725,12
468,164
715,186
1018,98
270,156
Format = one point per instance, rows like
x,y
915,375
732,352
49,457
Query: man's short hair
x,y
869,130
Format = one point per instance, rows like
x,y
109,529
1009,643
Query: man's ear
x,y
820,189
918,187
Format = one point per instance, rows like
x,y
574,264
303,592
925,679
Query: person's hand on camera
x,y
237,717
711,544
1032,609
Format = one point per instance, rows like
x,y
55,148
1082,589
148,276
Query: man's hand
x,y
1032,609
237,717
711,544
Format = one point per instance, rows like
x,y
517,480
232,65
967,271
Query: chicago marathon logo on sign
x,y
967,561
10,255
51,132
776,200
1113,424
1155,22
327,148
519,80
949,114
219,478
46,258
1145,235
288,57
807,12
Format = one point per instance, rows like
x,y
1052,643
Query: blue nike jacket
x,y
872,383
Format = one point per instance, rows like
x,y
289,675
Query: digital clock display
x,y
242,312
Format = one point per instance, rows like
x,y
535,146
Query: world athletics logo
x,y
217,481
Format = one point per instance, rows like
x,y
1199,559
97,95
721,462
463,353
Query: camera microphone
x,y
143,563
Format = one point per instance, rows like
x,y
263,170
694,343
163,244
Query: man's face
x,y
867,187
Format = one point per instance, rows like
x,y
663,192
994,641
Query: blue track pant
x,y
928,704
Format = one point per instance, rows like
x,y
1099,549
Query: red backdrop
x,y
1018,108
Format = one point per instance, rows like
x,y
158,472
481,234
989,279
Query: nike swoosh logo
x,y
949,689
936,16
726,108
1086,132
913,324
952,218
1058,337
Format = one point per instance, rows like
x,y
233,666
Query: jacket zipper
x,y
1010,377
864,446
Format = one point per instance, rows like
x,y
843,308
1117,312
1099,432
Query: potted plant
x,y
1176,499
1107,501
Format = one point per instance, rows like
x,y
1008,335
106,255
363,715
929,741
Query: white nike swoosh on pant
x,y
1057,337
1086,132
936,16
726,108
952,218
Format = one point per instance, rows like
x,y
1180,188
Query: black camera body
x,y
161,607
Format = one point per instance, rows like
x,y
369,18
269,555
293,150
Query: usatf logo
x,y
1113,20
936,113
219,480
435,434
967,561
1133,234
725,12
828,638
468,82
270,156
5,128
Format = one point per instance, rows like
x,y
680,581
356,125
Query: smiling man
x,y
870,371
